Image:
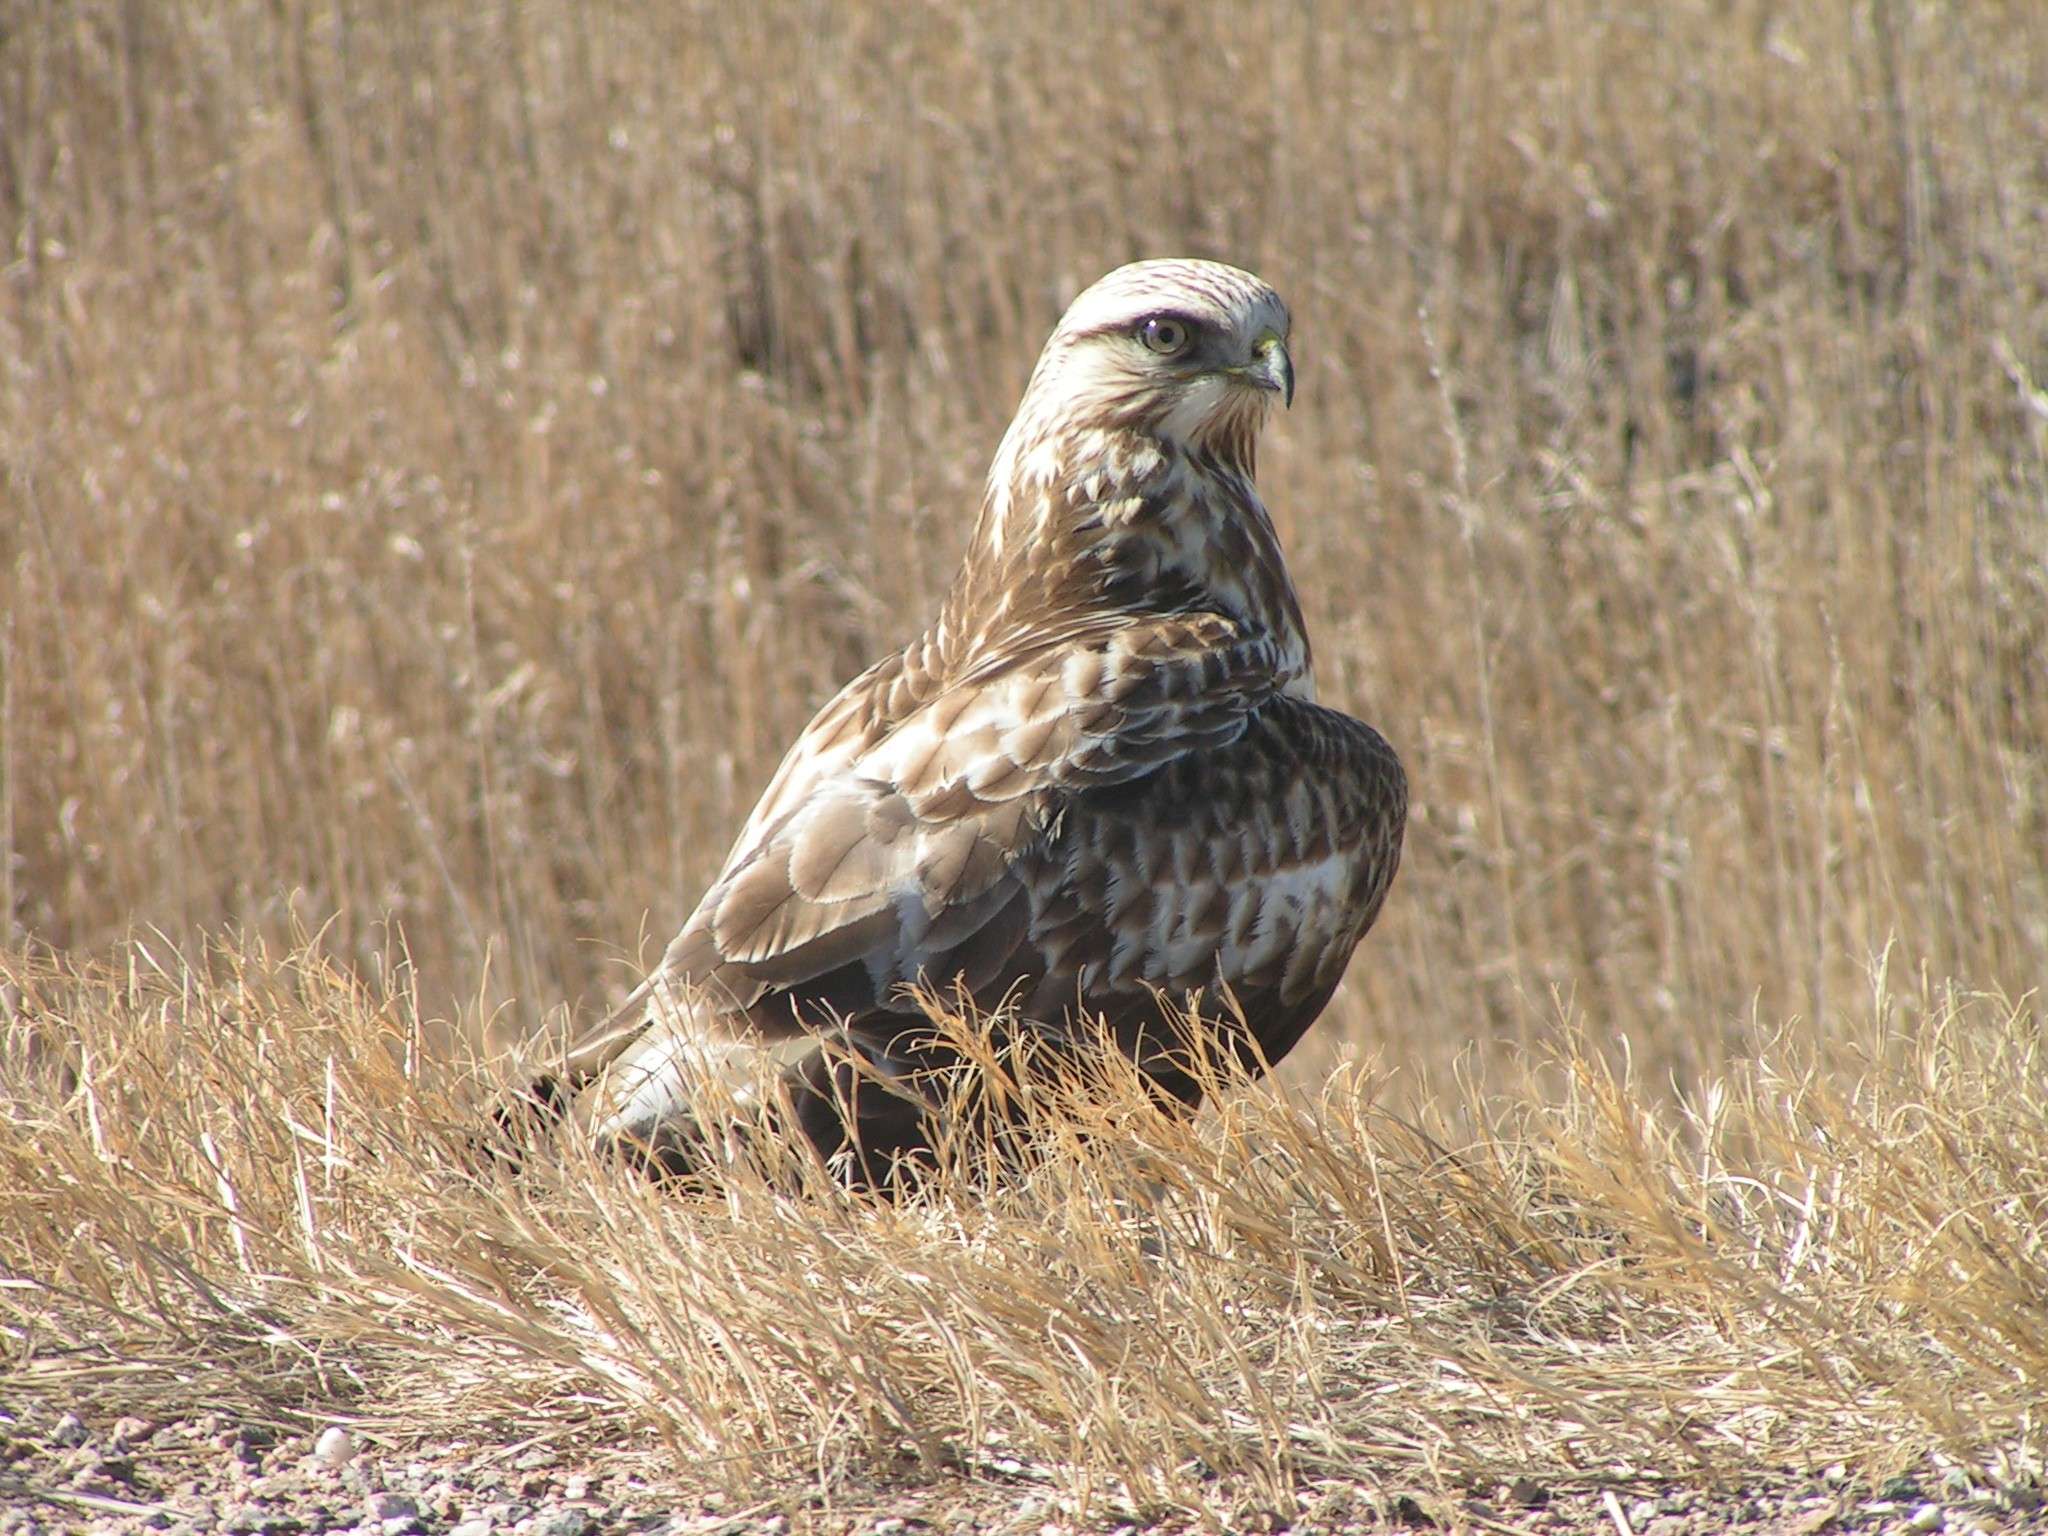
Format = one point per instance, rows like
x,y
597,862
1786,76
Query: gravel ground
x,y
63,1471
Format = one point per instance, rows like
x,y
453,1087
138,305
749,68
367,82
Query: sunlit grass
x,y
242,1184
445,455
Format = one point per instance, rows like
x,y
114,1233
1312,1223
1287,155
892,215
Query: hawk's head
x,y
1125,481
1190,352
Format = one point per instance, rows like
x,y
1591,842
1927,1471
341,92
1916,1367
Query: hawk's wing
x,y
879,851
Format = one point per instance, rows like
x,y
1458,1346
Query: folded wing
x,y
888,845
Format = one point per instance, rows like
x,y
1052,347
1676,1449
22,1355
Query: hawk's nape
x,y
1097,791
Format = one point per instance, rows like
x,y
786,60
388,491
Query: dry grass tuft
x,y
252,1183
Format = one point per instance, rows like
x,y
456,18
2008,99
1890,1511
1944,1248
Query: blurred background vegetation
x,y
447,451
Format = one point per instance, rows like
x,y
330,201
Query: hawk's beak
x,y
1271,367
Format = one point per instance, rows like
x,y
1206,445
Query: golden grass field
x,y
447,451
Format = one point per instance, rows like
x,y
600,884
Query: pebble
x,y
255,1520
246,1443
128,1433
472,1528
105,1469
336,1446
1642,1512
562,1522
68,1432
1928,1517
386,1506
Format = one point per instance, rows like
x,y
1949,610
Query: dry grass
x,y
448,451
259,1191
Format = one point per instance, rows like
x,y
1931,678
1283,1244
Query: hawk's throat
x,y
1089,523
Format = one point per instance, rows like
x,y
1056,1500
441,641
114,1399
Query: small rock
x,y
384,1505
403,1525
128,1433
576,1486
336,1446
256,1520
246,1443
1528,1493
1642,1512
119,1470
472,1528
563,1522
70,1431
1928,1517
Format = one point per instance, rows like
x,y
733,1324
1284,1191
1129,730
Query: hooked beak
x,y
1271,367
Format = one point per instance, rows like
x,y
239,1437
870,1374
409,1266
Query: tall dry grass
x,y
450,450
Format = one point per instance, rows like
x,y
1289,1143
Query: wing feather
x,y
880,841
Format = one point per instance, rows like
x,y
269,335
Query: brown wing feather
x,y
1249,873
875,855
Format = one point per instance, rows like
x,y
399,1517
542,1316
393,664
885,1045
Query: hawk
x,y
1097,794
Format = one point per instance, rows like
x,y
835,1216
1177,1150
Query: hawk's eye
x,y
1164,335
